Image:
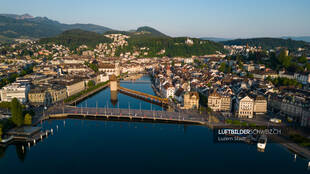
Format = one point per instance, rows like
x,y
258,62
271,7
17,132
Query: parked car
x,y
275,120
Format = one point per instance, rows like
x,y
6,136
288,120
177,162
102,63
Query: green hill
x,y
76,37
150,31
268,43
141,31
155,44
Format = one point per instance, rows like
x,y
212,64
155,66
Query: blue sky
x,y
196,18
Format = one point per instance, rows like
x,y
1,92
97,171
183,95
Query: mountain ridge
x,y
20,26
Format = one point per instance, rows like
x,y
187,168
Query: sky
x,y
194,18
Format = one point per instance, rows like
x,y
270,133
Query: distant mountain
x,y
15,16
89,27
215,39
300,38
141,31
77,37
268,43
26,26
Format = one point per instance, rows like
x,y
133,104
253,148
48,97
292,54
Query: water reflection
x,y
21,152
114,98
2,152
20,149
85,145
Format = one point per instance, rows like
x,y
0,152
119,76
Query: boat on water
x,y
262,141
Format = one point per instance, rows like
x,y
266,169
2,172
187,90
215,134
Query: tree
x,y
16,110
284,60
302,59
269,79
91,83
172,63
222,67
28,119
209,110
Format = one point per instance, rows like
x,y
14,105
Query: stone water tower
x,y
113,83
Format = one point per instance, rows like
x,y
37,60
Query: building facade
x,y
15,90
75,87
244,107
260,105
191,100
218,102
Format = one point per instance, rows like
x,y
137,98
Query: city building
x,y
15,90
260,105
46,94
214,101
219,102
244,107
191,100
168,90
74,87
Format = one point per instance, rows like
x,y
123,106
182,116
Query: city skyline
x,y
227,19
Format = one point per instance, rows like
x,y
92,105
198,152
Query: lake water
x,y
100,146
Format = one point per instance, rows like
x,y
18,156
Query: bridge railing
x,y
148,114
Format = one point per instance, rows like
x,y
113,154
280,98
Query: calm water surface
x,y
98,146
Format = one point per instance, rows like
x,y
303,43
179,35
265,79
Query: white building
x,y
168,90
189,41
15,90
244,107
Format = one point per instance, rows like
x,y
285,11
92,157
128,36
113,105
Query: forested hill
x,y
76,37
172,47
151,31
268,43
143,31
156,46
